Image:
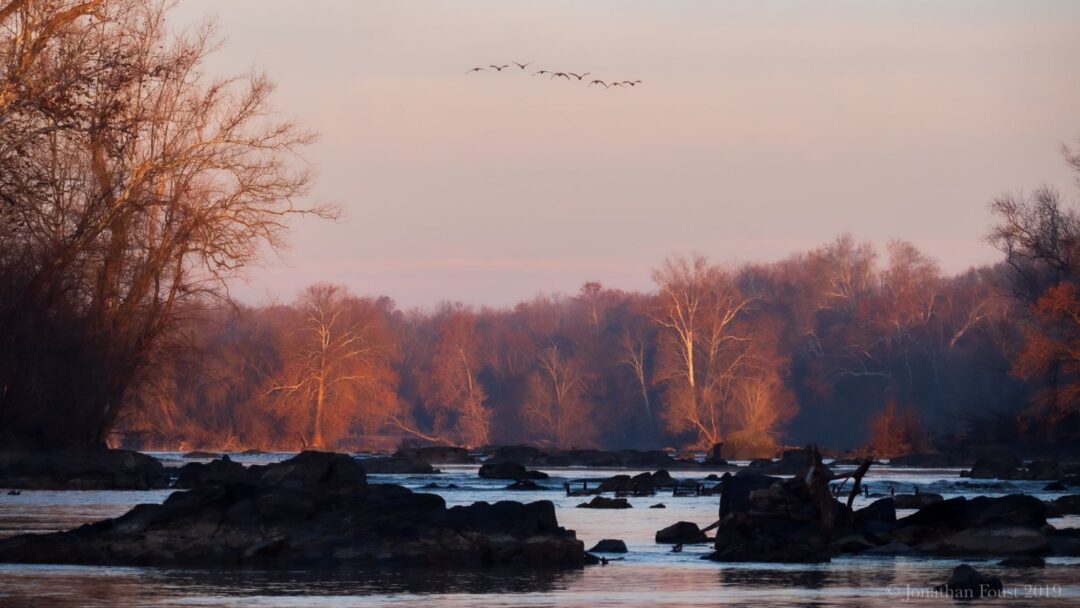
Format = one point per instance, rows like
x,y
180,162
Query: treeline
x,y
840,345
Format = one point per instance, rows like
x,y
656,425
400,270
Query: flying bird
x,y
616,84
522,65
476,70
498,68
601,82
579,77
562,74
541,72
632,82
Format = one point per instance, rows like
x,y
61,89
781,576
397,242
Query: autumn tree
x,y
338,369
451,386
130,185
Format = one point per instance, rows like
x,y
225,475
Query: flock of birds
x,y
553,75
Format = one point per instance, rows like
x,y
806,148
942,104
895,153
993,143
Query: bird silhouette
x,y
476,70
579,77
498,68
560,74
521,65
616,84
632,82
600,82
541,72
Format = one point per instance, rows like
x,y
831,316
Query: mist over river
x,y
650,574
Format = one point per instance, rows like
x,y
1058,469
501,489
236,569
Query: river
x,y
649,575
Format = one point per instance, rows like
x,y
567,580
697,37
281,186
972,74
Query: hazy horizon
x,y
760,130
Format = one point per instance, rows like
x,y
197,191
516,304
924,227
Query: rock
x,y
715,455
198,454
509,470
81,469
993,541
1065,542
791,462
877,518
599,502
524,485
663,479
1064,505
928,461
1043,470
1024,561
609,545
515,454
591,560
742,537
851,543
682,533
985,468
1012,510
397,465
638,485
315,509
658,505
968,583
916,501
437,454
1056,486
735,490
215,473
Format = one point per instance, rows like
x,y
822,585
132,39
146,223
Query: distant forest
x,y
839,345
134,188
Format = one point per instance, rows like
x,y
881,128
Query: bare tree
x,y
131,184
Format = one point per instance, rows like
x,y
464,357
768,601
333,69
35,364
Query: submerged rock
x,y
916,501
509,470
215,473
609,545
81,469
524,485
315,509
599,502
968,583
681,533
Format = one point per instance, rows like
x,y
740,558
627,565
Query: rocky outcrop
x,y
87,469
509,470
1064,505
1012,468
437,454
681,533
791,462
1007,525
316,509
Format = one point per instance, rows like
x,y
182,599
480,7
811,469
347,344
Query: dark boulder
x,y
509,470
984,468
968,583
1013,510
742,537
1064,505
599,502
524,485
437,454
681,533
1024,561
735,490
518,454
397,465
658,505
313,510
85,469
1055,486
217,472
916,501
609,545
879,517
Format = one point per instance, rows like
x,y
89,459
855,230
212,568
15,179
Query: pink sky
x,y
761,129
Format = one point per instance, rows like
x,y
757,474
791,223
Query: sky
x,y
761,128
